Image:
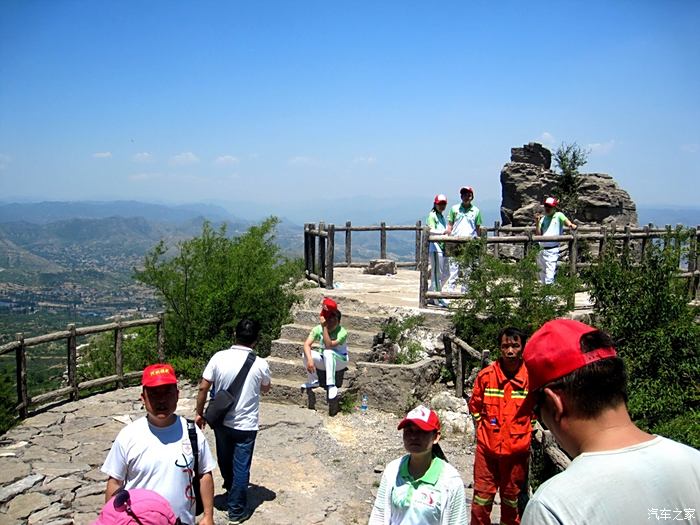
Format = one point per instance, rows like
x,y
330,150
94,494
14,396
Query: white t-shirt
x,y
222,370
636,484
149,457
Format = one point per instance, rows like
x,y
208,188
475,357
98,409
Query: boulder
x,y
381,267
526,182
532,153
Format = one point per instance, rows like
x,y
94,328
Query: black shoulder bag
x,y
225,399
199,506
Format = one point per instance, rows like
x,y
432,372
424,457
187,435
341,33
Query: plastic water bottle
x,y
363,404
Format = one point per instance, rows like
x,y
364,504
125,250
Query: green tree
x,y
569,158
644,306
502,293
213,282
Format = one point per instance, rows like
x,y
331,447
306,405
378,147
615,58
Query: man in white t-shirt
x,y
620,474
155,452
235,439
463,220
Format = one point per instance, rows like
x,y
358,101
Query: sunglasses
x,y
122,503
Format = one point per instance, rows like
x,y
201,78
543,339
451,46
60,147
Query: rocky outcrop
x,y
532,153
526,182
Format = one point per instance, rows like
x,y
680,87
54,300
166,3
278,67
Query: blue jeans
x,y
234,452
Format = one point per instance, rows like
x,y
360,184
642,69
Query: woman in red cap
x,y
420,487
439,270
332,355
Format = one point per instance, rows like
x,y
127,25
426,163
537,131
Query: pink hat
x,y
551,201
150,508
423,418
158,375
440,198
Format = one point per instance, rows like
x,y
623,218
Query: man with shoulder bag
x,y
239,377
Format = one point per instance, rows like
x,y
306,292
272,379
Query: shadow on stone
x,y
257,494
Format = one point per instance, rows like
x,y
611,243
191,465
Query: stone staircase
x,y
286,361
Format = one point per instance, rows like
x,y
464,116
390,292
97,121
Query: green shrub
x,y
399,331
644,306
214,281
502,293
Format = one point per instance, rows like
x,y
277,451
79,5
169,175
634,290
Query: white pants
x,y
547,262
330,361
439,271
454,275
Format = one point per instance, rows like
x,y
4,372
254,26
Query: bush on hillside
x,y
213,282
644,306
502,293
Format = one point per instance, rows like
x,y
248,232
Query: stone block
x,y
381,267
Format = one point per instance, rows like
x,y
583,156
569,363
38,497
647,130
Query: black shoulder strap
x,y
237,385
195,446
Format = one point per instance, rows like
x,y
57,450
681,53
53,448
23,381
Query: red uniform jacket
x,y
494,404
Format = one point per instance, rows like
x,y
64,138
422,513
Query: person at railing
x,y
332,356
420,487
463,220
502,435
620,474
155,452
439,270
550,225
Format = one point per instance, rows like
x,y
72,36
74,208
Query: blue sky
x,y
279,102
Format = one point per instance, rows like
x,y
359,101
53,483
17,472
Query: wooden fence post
x,y
645,241
72,349
528,244
312,248
330,255
496,233
692,259
307,267
118,351
418,230
21,372
160,337
321,252
697,260
450,360
382,241
626,242
348,244
422,300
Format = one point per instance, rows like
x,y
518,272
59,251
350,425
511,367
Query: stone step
x,y
350,320
356,338
287,349
289,391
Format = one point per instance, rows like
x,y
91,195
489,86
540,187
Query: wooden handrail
x,y
73,389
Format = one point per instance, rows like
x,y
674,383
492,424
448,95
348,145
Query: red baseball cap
x,y
328,307
554,351
158,375
551,201
439,198
423,418
466,188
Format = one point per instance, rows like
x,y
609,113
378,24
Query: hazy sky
x,y
182,101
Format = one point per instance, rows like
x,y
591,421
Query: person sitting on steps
x,y
331,350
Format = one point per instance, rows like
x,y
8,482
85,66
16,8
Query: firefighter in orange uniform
x,y
502,438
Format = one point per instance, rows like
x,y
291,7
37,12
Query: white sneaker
x,y
332,392
313,384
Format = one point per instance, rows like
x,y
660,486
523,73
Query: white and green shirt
x,y
437,498
465,221
551,226
340,334
438,225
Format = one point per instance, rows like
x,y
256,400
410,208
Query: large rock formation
x,y
527,180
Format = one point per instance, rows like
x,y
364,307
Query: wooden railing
x,y
320,259
72,391
319,248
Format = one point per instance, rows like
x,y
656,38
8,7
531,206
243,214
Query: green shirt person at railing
x,y
439,270
463,220
550,225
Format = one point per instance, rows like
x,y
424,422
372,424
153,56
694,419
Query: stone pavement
x,y
307,469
